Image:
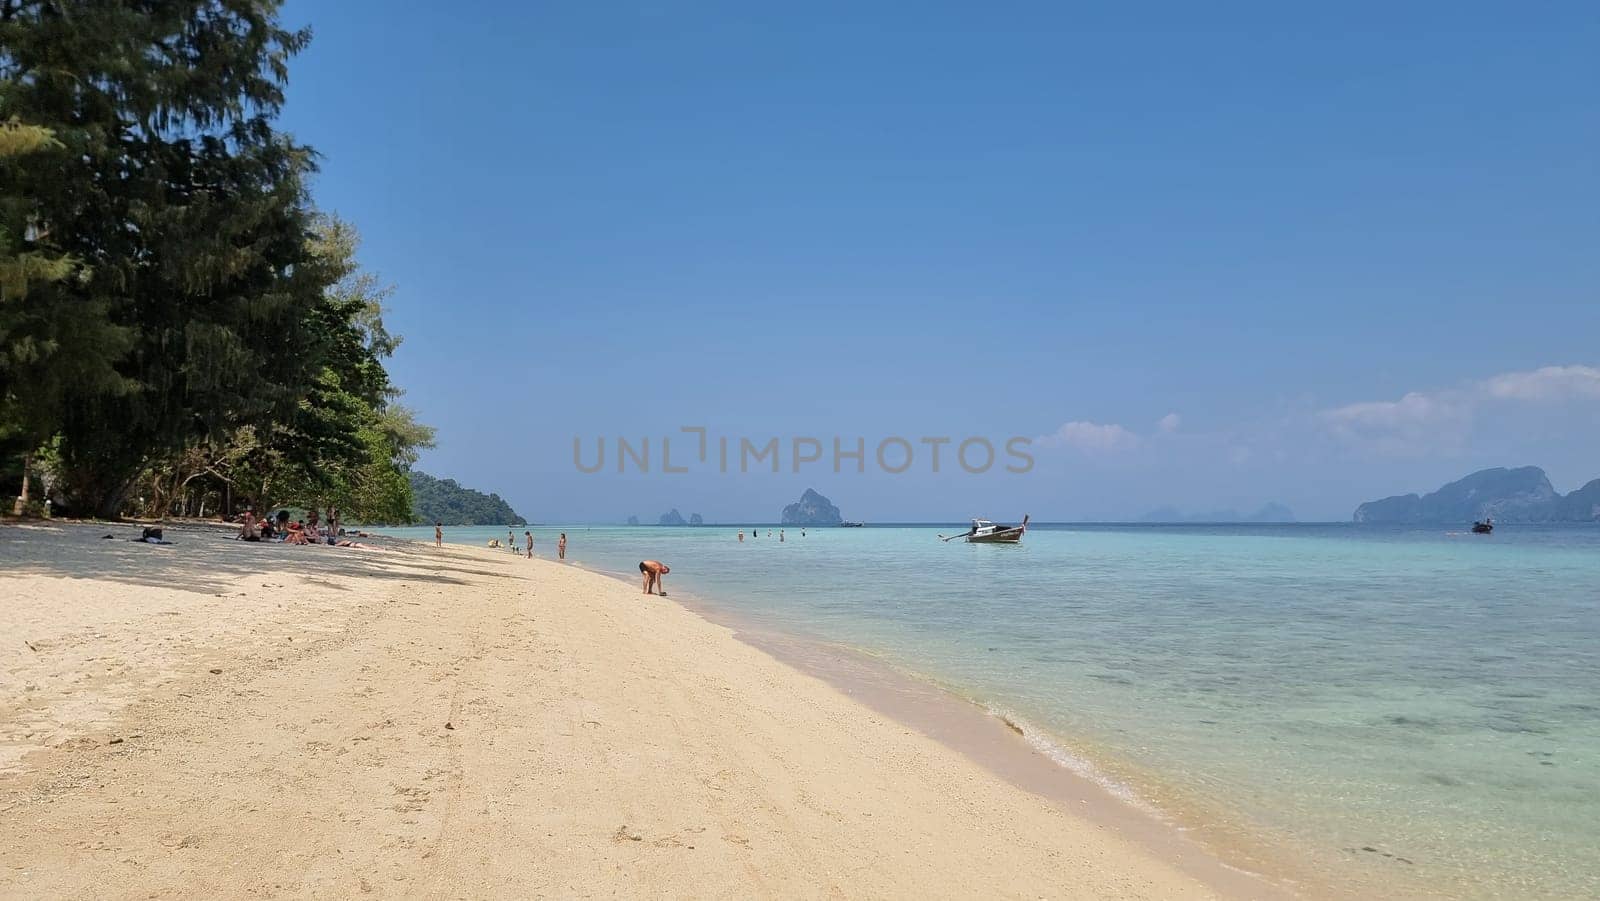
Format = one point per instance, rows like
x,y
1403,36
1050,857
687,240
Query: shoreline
x,y
414,712
1013,749
1018,752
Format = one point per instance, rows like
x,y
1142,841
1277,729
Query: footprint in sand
x,y
414,799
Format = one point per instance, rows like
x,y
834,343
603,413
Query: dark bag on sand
x,y
151,532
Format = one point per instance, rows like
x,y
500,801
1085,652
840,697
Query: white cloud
x,y
1416,425
1424,422
1090,437
1169,423
1551,383
1411,411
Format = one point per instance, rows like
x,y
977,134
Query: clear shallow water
x,y
1430,696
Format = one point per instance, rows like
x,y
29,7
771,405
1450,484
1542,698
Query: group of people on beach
x,y
527,543
310,530
511,541
653,570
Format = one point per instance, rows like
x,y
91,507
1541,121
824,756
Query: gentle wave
x,y
1073,763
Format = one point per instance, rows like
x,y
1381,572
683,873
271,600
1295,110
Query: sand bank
x,y
217,718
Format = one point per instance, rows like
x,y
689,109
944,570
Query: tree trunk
x,y
110,505
22,499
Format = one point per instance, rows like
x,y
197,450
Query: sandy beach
x,y
214,718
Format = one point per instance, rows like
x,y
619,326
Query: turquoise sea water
x,y
1410,708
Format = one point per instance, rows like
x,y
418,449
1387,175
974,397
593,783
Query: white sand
x,y
603,743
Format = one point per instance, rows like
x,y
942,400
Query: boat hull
x,y
998,536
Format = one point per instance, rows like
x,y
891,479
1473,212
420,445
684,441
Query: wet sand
x,y
220,718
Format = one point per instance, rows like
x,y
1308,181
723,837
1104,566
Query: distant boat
x,y
850,525
985,532
1483,528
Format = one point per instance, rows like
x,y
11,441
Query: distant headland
x,y
1508,495
446,501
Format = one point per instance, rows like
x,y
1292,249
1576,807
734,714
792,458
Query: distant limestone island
x,y
444,500
1520,495
673,518
811,510
1274,513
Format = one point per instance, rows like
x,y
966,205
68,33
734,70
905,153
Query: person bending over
x,y
653,571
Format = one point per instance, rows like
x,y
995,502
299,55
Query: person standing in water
x,y
653,571
741,536
561,546
438,534
780,535
528,536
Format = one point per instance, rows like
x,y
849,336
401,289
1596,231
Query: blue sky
x,y
1315,239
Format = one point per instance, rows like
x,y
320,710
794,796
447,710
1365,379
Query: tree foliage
x,y
173,312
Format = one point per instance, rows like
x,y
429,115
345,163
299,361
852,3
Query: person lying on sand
x,y
150,535
653,571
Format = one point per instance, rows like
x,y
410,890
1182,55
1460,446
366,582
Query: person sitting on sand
x,y
297,533
267,532
653,571
248,530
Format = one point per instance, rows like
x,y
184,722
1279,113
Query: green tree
x,y
348,441
192,303
34,374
